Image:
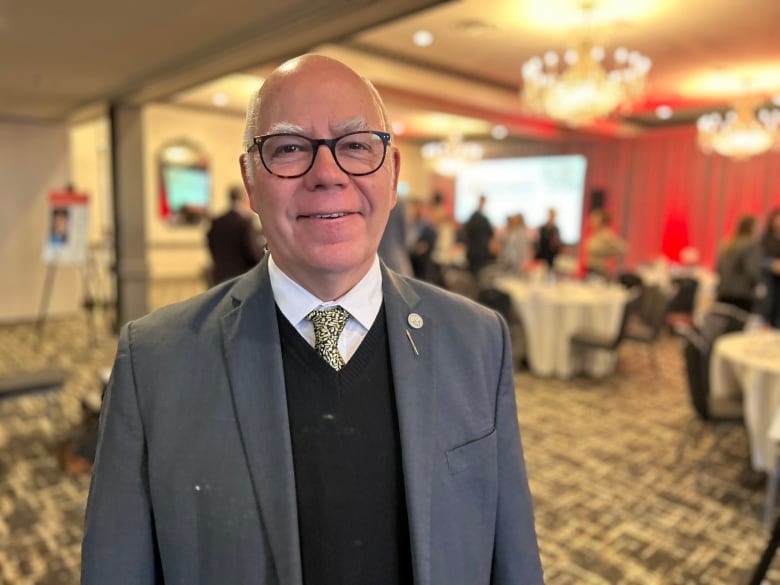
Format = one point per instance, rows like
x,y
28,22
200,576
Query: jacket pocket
x,y
468,454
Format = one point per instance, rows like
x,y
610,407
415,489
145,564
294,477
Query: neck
x,y
326,285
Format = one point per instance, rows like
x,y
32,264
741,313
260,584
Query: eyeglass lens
x,y
291,155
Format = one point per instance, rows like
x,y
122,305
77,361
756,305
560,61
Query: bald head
x,y
307,77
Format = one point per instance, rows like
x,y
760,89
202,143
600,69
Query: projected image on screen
x,y
187,186
529,185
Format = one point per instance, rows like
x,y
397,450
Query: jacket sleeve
x,y
515,555
119,545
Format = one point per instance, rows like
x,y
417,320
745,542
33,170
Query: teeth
x,y
330,215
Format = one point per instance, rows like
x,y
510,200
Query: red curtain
x,y
665,194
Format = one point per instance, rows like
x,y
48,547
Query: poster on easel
x,y
67,236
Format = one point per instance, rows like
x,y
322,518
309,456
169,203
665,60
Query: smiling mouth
x,y
328,215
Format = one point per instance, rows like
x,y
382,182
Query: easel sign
x,y
67,238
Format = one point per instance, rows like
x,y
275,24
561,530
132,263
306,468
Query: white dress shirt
x,y
363,302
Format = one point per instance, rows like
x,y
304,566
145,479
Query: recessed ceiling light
x,y
499,132
664,112
220,99
423,38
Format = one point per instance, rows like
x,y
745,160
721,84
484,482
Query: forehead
x,y
318,99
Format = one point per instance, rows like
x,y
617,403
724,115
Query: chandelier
x,y
583,86
740,133
452,154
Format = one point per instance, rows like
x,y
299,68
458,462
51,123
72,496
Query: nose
x,y
325,171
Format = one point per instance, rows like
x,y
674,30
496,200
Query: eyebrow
x,y
351,125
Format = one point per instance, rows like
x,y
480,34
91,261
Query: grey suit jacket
x,y
193,481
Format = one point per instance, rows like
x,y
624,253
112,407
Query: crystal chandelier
x,y
740,133
450,155
581,87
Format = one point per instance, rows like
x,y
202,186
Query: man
x,y
232,452
422,239
392,247
549,244
234,239
604,248
478,235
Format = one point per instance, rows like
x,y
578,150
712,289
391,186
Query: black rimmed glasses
x,y
289,156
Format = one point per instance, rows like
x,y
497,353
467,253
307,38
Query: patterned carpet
x,y
612,505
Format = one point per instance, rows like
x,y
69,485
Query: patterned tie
x,y
328,325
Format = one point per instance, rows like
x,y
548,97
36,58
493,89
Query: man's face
x,y
326,225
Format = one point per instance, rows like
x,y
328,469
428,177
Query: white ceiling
x,y
704,52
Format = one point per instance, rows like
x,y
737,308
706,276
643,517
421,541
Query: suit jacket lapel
x,y
254,364
412,363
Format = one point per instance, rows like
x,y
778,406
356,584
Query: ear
x,y
395,157
246,176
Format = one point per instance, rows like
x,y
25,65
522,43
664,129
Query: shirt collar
x,y
363,300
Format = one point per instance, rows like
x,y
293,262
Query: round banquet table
x,y
748,362
552,312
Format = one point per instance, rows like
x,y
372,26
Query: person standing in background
x,y
770,246
604,248
516,249
235,239
392,246
739,266
478,234
549,242
421,240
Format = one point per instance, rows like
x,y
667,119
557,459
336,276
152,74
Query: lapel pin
x,y
415,320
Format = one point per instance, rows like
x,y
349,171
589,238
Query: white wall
x,y
34,159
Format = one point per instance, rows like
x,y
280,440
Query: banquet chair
x,y
461,281
501,302
719,414
649,321
585,340
630,280
682,302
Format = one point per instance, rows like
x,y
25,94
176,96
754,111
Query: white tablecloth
x,y
551,313
748,362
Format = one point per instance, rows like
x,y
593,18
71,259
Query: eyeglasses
x,y
289,156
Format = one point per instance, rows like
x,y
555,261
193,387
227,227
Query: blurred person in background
x,y
604,248
739,266
548,243
235,239
421,240
516,248
770,245
478,236
392,246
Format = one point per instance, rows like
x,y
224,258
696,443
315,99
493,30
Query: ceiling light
x,y
423,38
579,88
398,127
452,154
220,99
740,133
664,112
499,132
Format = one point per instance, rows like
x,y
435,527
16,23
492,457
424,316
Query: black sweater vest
x,y
347,459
